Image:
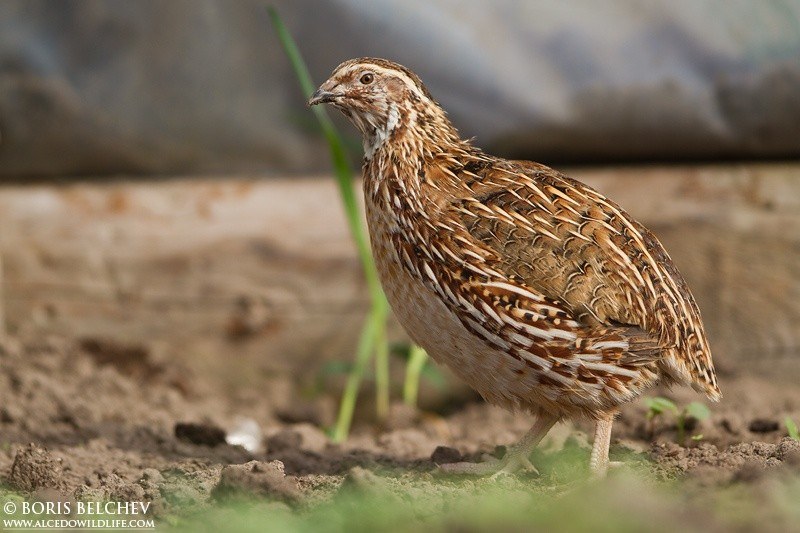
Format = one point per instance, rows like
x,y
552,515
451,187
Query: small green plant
x,y
373,342
418,368
659,405
791,428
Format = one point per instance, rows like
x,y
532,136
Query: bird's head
x,y
381,98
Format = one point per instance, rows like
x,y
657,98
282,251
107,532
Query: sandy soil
x,y
91,419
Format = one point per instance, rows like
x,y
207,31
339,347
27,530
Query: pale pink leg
x,y
599,463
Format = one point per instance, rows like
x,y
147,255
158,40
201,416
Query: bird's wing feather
x,y
569,243
590,367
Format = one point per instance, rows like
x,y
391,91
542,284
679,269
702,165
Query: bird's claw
x,y
515,463
488,465
510,464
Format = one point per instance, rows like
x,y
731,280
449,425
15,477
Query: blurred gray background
x,y
99,87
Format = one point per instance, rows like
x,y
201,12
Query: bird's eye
x,y
367,78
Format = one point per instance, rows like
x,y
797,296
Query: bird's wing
x,y
570,244
590,368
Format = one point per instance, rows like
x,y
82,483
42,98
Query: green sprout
x,y
659,405
791,427
416,364
373,341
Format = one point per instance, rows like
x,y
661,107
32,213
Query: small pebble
x,y
763,425
202,434
445,455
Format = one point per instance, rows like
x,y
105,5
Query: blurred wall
x,y
92,87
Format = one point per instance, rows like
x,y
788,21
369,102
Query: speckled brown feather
x,y
536,289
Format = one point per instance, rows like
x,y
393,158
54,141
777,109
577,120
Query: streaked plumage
x,y
535,289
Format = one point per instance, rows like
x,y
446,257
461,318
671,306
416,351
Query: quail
x,y
535,289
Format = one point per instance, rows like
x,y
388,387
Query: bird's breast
x,y
431,324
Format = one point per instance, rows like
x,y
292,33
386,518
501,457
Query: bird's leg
x,y
516,458
598,462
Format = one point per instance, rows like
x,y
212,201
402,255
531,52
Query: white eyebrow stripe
x,y
411,84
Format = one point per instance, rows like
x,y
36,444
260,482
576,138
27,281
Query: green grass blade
x,y
416,362
341,165
366,345
791,428
344,179
293,53
381,371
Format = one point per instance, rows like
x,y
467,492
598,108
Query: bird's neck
x,y
401,154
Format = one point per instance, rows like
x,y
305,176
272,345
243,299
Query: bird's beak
x,y
321,97
325,94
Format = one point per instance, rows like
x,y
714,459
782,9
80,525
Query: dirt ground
x,y
90,419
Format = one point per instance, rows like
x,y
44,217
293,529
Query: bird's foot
x,y
600,471
512,463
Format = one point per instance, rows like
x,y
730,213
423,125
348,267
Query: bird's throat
x,y
379,130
